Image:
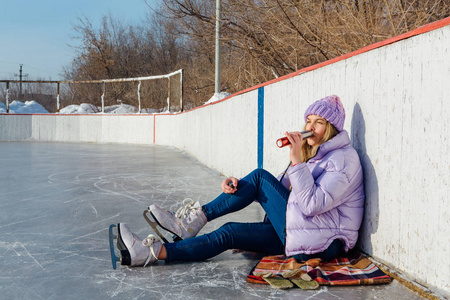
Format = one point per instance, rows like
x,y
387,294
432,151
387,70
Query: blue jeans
x,y
264,237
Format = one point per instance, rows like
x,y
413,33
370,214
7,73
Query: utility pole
x,y
20,79
218,17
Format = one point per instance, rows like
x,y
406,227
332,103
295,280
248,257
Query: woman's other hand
x,y
295,138
228,188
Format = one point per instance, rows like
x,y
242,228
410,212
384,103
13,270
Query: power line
x,y
28,66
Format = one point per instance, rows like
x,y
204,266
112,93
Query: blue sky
x,y
37,33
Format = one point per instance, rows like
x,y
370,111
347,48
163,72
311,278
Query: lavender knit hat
x,y
331,109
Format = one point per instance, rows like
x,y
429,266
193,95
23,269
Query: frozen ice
x,y
57,201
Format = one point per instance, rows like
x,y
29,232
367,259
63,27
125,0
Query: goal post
x,y
103,82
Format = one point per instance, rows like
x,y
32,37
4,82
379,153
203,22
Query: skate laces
x,y
188,206
150,241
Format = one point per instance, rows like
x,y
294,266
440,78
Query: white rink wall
x,y
396,98
397,102
222,136
136,129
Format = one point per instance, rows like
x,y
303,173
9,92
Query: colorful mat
x,y
356,270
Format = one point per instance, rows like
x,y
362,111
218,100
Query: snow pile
x,y
218,97
83,108
2,108
27,107
86,108
120,109
32,107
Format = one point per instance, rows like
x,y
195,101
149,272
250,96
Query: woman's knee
x,y
259,173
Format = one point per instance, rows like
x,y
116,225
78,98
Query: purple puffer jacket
x,y
327,198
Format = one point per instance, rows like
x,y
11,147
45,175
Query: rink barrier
x,y
396,99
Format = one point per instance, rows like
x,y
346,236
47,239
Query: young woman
x,y
314,209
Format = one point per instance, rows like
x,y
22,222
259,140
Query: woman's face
x,y
318,126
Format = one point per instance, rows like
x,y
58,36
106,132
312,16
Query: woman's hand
x,y
226,188
295,153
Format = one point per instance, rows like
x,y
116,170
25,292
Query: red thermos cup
x,y
281,142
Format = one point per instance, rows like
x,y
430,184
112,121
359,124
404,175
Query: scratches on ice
x,y
20,250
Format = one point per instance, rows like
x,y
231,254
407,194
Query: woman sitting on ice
x,y
314,211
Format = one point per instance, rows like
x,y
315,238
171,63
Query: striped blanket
x,y
356,270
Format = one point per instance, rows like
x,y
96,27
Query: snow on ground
x,y
121,109
218,97
83,108
86,108
32,107
27,107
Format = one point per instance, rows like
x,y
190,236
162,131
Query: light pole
x,y
217,77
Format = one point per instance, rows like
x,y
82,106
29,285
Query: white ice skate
x,y
134,251
185,223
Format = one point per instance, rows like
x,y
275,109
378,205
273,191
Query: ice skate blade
x,y
112,237
153,225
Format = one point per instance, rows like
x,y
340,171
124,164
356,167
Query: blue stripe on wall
x,y
260,127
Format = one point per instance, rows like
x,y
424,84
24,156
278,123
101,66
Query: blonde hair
x,y
310,151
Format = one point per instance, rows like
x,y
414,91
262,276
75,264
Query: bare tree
x,y
270,38
261,39
118,51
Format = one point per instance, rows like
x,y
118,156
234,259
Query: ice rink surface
x,y
57,201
